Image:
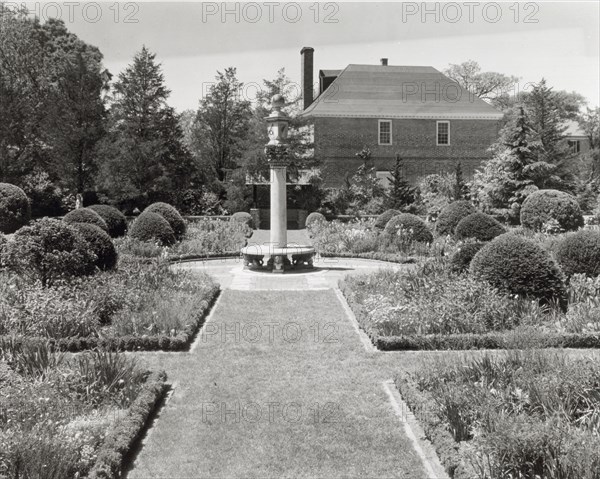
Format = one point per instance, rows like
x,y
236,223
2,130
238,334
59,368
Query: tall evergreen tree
x,y
461,191
401,194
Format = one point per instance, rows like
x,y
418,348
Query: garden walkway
x,y
278,384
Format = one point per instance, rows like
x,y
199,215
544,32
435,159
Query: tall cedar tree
x,y
144,151
461,191
222,126
400,194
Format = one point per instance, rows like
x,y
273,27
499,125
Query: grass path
x,y
278,385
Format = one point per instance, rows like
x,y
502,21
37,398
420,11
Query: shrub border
x,y
376,256
162,342
120,441
492,340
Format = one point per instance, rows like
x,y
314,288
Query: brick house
x,y
413,111
577,140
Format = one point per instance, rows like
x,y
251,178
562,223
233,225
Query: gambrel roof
x,y
386,91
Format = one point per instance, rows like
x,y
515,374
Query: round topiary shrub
x,y
315,218
152,227
461,259
114,219
100,244
87,216
479,226
451,215
384,217
173,217
15,209
49,250
407,227
515,265
243,217
579,253
543,206
3,242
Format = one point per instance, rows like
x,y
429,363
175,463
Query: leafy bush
x,y
579,253
100,244
411,226
15,210
86,216
479,226
461,259
315,218
243,217
115,220
451,215
3,242
49,250
518,266
172,216
152,227
384,217
544,206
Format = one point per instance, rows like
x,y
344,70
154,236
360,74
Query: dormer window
x,y
443,132
385,132
574,146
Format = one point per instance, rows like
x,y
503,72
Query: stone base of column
x,y
292,258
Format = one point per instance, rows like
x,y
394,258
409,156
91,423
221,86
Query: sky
x,y
555,40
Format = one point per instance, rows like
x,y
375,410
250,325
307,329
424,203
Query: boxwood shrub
x,y
49,250
152,227
86,215
478,226
100,243
315,218
114,219
516,265
172,216
15,209
461,259
542,206
384,217
451,215
579,253
412,225
243,217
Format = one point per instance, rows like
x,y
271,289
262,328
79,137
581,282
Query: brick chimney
x,y
384,62
307,76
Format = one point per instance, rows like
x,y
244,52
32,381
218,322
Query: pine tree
x,y
461,192
400,194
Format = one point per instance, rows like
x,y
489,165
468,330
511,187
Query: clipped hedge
x,y
15,208
384,217
451,215
579,253
243,217
372,255
478,226
152,227
86,216
411,225
100,244
169,213
461,259
542,206
114,219
118,444
315,218
515,265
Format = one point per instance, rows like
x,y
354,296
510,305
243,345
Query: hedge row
x,y
492,340
376,256
161,342
119,443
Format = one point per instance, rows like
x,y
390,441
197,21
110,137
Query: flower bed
x,y
75,417
523,414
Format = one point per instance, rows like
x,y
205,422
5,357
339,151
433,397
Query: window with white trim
x,y
443,132
385,132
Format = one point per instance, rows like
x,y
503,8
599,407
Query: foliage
x,y
579,253
152,227
436,192
49,250
462,257
545,205
15,210
245,218
451,215
171,214
384,217
86,215
478,226
47,199
315,218
461,190
400,194
517,266
115,220
407,225
366,194
239,195
100,244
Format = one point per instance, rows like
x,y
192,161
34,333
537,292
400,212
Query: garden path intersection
x,y
280,382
